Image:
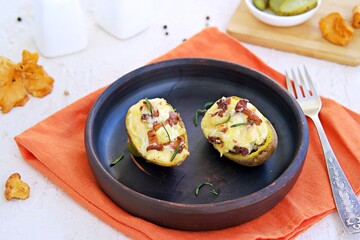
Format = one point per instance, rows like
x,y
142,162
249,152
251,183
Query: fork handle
x,y
345,199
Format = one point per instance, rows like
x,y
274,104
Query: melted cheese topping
x,y
138,128
247,136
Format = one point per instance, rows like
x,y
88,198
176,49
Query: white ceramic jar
x,y
59,27
123,18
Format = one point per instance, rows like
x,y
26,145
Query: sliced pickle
x,y
275,6
295,7
261,4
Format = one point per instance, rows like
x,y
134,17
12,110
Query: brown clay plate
x,y
166,196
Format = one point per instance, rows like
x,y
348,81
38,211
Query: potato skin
x,y
174,163
261,155
264,146
162,160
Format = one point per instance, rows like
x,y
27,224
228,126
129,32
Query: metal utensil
x,y
345,199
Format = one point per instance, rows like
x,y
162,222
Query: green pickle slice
x,y
295,7
261,4
275,6
291,7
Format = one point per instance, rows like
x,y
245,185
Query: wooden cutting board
x,y
304,39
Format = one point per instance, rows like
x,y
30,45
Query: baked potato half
x,y
238,130
157,132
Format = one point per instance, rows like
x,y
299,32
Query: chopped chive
x,y
132,150
176,151
166,132
200,186
208,104
227,120
213,192
198,111
241,124
149,106
196,118
116,160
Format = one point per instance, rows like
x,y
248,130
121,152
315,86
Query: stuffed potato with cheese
x,y
239,131
157,132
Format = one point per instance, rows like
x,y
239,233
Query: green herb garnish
x,y
176,151
213,192
149,106
132,150
227,120
116,160
241,124
197,189
208,104
196,117
166,132
198,111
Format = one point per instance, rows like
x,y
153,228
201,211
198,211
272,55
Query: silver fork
x,y
345,199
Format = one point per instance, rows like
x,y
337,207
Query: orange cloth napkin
x,y
55,147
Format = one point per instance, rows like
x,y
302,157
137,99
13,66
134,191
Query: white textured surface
x,y
51,214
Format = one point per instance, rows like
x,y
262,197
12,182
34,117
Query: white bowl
x,y
270,18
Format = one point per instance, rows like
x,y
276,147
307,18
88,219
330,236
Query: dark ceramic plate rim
x,y
292,171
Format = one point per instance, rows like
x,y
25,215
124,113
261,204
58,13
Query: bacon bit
x,y
153,141
157,126
224,130
173,118
252,116
155,112
223,103
241,107
241,150
180,141
222,106
155,146
214,114
215,140
144,117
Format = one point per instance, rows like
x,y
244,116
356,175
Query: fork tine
x,y
303,84
297,87
289,85
311,84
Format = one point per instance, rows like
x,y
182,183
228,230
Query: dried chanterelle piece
x,y
334,29
12,90
356,16
16,188
17,80
36,80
